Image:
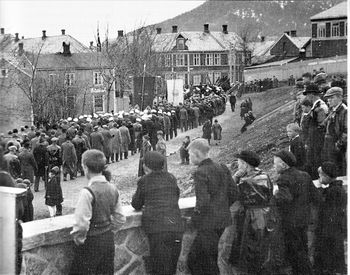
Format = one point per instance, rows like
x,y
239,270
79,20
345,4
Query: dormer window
x,y
180,43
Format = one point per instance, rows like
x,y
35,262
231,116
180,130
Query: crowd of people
x,y
270,218
260,85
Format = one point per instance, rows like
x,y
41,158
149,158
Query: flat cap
x,y
330,169
54,139
249,157
312,88
287,157
154,160
334,91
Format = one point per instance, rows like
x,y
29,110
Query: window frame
x,y
97,75
209,59
102,102
217,59
167,60
70,81
321,30
196,57
218,74
180,43
333,30
180,57
198,76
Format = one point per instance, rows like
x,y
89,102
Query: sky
x,y
80,18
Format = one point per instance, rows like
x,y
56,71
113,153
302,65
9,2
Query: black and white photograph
x,y
173,137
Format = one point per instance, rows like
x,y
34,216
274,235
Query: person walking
x,y
80,147
293,199
183,118
125,140
215,192
146,147
216,129
97,141
107,142
69,159
41,158
54,154
28,163
116,143
97,215
158,195
207,130
161,148
233,102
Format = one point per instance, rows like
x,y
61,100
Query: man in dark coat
x,y
42,159
293,199
28,163
233,102
297,146
69,159
107,142
174,124
158,192
331,227
215,192
183,118
80,148
97,141
335,141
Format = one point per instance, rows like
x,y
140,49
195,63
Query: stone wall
x,y
48,246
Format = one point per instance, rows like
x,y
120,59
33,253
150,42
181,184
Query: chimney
x,y
224,29
159,30
44,35
2,31
262,39
206,28
16,37
293,33
66,48
63,32
286,32
120,33
20,48
174,29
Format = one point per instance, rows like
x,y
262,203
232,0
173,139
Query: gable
x,y
283,47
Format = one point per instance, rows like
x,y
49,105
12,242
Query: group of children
x,y
53,195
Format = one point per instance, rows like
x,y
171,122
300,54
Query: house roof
x,y
195,41
49,45
74,61
300,42
337,11
272,64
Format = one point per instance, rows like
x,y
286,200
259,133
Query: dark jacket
x,y
53,194
215,192
159,194
42,159
297,147
97,141
296,192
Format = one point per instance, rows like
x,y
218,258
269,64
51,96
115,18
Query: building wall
x,y
327,48
332,65
14,105
285,47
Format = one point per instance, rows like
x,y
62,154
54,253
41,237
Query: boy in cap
x,y
296,145
331,228
335,141
97,214
159,194
293,199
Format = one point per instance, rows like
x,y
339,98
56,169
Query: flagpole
x,y
143,85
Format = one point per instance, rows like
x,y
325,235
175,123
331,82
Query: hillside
x,y
266,18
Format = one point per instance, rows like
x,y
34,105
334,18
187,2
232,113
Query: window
x,y
98,79
168,76
217,75
69,79
321,30
209,59
4,73
335,29
98,103
180,60
180,44
210,78
196,59
167,60
52,80
197,79
217,59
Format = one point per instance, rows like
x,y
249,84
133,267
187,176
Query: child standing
x,y
207,130
53,196
184,155
216,129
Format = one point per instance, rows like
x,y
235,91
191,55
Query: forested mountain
x,y
265,18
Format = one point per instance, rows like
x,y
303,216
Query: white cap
x,y
132,111
69,119
137,111
110,119
75,120
89,119
81,117
153,111
138,119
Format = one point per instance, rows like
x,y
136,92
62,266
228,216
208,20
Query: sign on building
x,y
175,91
